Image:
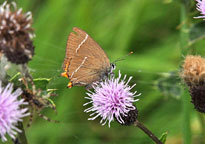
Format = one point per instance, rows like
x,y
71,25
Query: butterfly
x,y
85,61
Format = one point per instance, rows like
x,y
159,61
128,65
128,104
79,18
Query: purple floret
x,y
111,99
10,111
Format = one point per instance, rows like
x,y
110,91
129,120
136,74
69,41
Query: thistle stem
x,y
147,131
202,122
21,138
184,38
27,76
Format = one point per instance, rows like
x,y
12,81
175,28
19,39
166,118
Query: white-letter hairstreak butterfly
x,y
85,61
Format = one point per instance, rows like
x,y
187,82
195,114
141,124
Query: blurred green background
x,y
149,28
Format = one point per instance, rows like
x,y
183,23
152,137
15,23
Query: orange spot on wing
x,y
70,85
66,66
64,74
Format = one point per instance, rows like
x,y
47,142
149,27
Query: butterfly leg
x,y
112,74
89,86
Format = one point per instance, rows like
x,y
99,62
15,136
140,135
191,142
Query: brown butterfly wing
x,y
87,60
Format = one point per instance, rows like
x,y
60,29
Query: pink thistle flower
x,y
10,111
111,99
200,6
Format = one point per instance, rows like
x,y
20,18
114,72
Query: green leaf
x,y
42,82
168,1
51,102
51,90
163,137
14,77
169,85
197,32
187,3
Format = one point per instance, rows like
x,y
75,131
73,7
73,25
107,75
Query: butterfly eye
x,y
113,66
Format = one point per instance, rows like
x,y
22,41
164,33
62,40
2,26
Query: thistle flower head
x,y
130,118
194,76
16,33
10,111
193,70
198,97
111,99
200,6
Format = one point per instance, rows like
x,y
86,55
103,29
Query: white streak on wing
x,y
79,66
82,83
86,37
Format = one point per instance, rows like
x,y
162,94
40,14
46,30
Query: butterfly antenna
x,y
122,58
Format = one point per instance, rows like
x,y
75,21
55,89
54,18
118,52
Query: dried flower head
x,y
16,33
200,6
130,118
10,111
198,98
193,74
111,99
193,70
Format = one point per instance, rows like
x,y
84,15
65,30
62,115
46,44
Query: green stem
x,y
184,33
202,122
147,131
186,129
184,36
25,73
21,138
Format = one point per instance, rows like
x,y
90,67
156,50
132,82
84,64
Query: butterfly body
x,y
85,61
